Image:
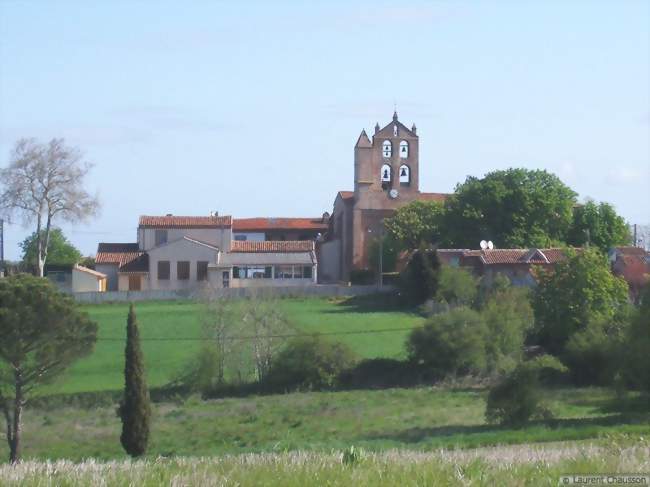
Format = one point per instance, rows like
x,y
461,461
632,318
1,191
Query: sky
x,y
253,108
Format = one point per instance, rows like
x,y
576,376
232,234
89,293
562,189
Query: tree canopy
x,y
513,208
578,292
417,222
59,249
599,225
42,333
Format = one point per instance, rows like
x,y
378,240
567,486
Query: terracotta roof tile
x,y
272,246
433,196
251,224
117,253
630,251
173,221
518,256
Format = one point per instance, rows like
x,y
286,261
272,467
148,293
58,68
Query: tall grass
x,y
523,465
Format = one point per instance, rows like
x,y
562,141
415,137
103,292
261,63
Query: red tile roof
x,y
173,221
638,251
272,246
433,196
518,256
117,253
263,224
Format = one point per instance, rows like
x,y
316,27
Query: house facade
x,y
386,177
191,252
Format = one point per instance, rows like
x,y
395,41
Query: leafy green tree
x,y
59,249
43,332
599,225
417,222
389,255
636,365
309,363
513,208
456,286
579,291
419,280
518,397
450,343
135,408
508,316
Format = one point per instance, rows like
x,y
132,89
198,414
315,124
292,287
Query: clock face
x,y
393,193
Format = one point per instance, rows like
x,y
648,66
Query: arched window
x,y
403,149
385,175
387,148
404,175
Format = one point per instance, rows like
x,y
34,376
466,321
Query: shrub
x,y
310,363
419,280
379,373
362,277
451,343
508,317
517,398
456,286
636,370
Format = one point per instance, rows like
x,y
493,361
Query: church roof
x,y
363,140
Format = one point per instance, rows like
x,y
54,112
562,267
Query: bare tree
x,y
44,182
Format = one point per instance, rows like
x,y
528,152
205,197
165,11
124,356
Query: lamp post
x,y
380,278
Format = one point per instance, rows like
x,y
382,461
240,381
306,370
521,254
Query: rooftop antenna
x,y
483,244
490,245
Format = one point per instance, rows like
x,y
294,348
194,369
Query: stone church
x,y
386,177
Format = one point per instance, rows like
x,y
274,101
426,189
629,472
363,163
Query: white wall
x,y
181,250
215,236
84,282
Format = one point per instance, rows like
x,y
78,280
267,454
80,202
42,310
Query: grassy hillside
x,y
414,419
168,320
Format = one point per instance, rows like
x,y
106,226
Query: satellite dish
x,y
490,245
484,244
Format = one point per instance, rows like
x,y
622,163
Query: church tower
x,y
386,177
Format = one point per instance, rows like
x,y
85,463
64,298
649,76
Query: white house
x,y
188,252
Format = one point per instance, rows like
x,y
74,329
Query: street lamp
x,y
380,279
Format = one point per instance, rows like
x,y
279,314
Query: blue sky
x,y
253,108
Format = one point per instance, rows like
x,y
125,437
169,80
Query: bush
x,y
450,344
379,373
508,317
456,286
419,280
362,277
518,397
636,368
310,363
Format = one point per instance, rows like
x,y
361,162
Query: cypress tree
x,y
419,280
135,409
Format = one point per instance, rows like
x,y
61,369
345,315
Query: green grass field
x,y
103,370
423,419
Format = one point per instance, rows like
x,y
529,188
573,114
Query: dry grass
x,y
503,465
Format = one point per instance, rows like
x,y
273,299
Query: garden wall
x,y
324,290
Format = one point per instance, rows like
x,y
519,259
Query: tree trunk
x,y
16,427
39,248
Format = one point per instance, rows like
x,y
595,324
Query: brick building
x,y
386,177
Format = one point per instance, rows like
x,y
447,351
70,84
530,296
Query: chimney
x,y
376,128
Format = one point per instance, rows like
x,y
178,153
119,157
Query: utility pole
x,y
2,247
636,242
381,254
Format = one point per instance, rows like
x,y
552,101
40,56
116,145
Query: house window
x,y
240,238
387,148
257,272
163,270
235,272
182,270
403,149
202,271
283,272
404,175
161,237
297,272
306,272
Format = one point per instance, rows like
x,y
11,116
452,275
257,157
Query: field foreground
x,y
502,465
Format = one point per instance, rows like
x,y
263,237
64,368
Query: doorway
x,y
226,278
135,283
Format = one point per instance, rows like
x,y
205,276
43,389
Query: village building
x,y
386,177
189,252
